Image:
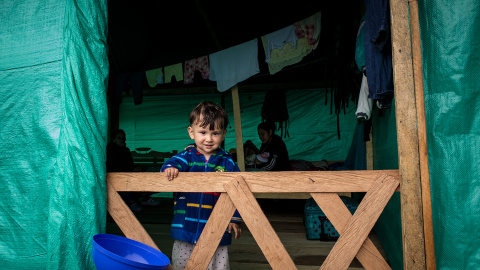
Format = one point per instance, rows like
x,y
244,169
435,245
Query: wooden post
x,y
422,134
407,137
238,128
369,146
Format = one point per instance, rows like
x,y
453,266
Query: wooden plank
x,y
297,196
422,135
360,225
258,182
125,219
369,146
238,128
407,136
338,214
258,224
212,233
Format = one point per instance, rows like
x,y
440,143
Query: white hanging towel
x,y
233,65
365,103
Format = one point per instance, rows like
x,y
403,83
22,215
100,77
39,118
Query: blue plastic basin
x,y
121,253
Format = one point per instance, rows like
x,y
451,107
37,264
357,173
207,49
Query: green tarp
x,y
161,123
53,71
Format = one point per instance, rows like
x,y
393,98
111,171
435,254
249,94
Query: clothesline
x,y
230,66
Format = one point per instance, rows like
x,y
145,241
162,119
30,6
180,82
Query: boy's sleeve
x,y
231,166
236,218
178,161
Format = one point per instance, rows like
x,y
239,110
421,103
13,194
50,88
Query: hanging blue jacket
x,y
192,210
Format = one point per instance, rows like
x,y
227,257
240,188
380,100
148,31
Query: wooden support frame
x,y
237,193
414,252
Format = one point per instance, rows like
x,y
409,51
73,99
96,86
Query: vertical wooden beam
x,y
238,128
422,134
369,145
407,137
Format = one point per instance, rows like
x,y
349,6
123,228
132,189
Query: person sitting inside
x,y
119,159
273,153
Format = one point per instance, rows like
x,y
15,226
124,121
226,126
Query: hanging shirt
x,y
277,39
309,28
235,64
308,33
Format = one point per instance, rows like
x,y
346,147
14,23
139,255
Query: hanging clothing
x,y
154,76
360,46
365,103
173,71
289,55
378,51
200,64
309,28
133,79
277,39
235,64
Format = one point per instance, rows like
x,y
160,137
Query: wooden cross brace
x,y
353,230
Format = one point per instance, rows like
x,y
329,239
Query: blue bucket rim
x,y
132,242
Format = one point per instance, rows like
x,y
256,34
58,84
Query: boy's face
x,y
207,141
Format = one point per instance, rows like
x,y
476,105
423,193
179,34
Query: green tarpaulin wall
x,y
53,74
161,123
53,71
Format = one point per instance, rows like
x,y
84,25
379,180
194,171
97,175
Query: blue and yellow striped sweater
x,y
191,210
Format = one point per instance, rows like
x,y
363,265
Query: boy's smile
x,y
207,141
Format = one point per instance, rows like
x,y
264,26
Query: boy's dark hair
x,y
212,114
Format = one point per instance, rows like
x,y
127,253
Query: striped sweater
x,y
192,210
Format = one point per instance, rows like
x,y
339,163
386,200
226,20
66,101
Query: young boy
x,y
208,127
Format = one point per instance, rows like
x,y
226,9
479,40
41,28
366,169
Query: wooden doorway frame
x,y
237,188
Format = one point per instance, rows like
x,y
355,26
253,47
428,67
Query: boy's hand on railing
x,y
236,228
171,173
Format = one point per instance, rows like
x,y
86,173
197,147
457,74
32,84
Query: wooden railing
x,y
237,192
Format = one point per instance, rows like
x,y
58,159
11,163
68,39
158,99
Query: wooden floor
x,y
286,217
